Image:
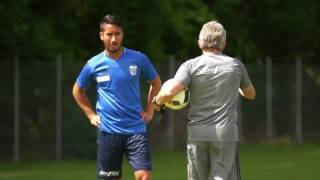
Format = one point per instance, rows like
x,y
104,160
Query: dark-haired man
x,y
119,116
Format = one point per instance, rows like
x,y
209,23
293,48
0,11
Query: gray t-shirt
x,y
213,81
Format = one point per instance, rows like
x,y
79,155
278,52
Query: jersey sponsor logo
x,y
109,173
216,69
103,78
133,69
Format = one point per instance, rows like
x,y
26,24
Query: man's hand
x,y
95,120
84,103
146,116
158,108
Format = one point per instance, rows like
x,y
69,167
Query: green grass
x,y
280,162
258,162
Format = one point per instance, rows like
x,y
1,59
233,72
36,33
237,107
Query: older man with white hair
x,y
214,80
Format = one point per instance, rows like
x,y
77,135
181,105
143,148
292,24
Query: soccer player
x,y
119,115
214,80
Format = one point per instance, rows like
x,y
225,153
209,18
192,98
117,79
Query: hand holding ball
x,y
179,101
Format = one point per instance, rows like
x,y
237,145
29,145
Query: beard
x,y
114,48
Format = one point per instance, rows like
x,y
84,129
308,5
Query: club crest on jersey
x,y
133,69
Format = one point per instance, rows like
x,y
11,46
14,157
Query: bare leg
x,y
142,175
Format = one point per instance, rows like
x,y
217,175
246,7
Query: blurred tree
x,y
37,30
284,29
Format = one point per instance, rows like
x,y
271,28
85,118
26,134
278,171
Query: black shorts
x,y
111,148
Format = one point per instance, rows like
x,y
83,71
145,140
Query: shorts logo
x,y
109,173
133,70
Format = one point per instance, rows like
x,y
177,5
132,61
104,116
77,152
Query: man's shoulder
x,y
227,57
135,53
192,61
95,59
231,59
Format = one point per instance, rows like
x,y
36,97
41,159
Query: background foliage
x,y
283,29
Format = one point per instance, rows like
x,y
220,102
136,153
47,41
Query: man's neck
x,y
114,55
212,51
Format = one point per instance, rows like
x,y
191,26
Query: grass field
x,y
258,162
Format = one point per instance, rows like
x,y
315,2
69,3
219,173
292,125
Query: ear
x,y
101,35
199,44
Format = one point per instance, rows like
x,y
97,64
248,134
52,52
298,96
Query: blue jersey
x,y
118,86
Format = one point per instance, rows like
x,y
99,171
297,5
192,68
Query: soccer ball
x,y
180,100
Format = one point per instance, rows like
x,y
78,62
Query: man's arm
x,y
248,92
84,103
169,89
155,86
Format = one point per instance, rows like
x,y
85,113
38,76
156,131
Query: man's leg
x,y
235,173
109,156
198,160
142,175
223,156
139,156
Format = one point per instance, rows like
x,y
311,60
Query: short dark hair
x,y
110,19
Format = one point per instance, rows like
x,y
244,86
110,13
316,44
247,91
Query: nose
x,y
113,39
